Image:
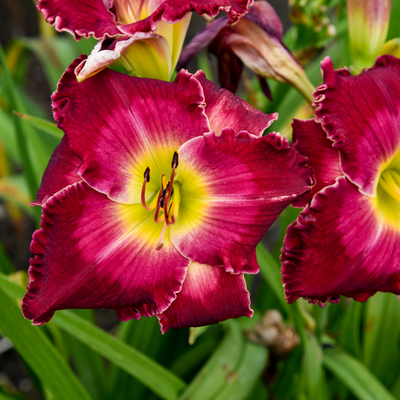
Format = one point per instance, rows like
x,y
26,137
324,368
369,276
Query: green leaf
x,y
219,369
38,352
271,273
42,124
350,338
5,263
151,374
21,140
313,374
4,396
144,369
248,371
355,376
381,336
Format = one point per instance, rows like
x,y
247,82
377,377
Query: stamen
x,y
143,195
160,200
167,196
139,10
160,243
175,160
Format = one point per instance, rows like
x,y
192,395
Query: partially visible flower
x,y
155,200
256,41
368,22
146,34
347,240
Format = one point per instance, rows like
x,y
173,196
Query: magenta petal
x,y
91,253
224,109
325,256
202,39
112,120
209,295
361,114
249,181
60,172
310,140
173,11
80,17
264,15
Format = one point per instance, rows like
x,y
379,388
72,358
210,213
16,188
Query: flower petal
x,y
248,181
80,17
172,11
117,125
209,295
310,140
94,253
148,54
60,173
264,15
202,39
361,115
325,256
224,109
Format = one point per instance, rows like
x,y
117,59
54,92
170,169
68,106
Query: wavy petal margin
x,y
224,110
113,121
324,255
172,11
81,18
249,181
310,140
361,115
94,253
209,295
60,173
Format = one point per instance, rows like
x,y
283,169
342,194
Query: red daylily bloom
x,y
147,34
347,240
255,41
156,198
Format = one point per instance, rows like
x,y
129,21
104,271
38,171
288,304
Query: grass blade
x,y
38,352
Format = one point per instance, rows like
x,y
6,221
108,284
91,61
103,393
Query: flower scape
x,y
156,198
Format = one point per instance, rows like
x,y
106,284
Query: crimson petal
x,y
224,109
324,255
60,172
94,253
310,140
112,120
173,11
209,295
249,181
80,17
361,114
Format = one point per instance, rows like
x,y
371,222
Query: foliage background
x,y
346,351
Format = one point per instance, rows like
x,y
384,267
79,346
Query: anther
x,y
143,194
147,174
175,160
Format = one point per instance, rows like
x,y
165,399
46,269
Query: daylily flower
x,y
256,41
156,198
146,34
368,22
347,240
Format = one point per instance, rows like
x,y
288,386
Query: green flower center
x,y
388,192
